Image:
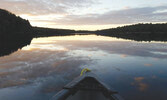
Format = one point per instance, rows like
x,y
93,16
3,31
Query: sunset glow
x,y
87,14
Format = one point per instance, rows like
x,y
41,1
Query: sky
x,y
87,14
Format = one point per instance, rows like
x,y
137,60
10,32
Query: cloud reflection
x,y
148,65
38,66
59,56
123,48
50,63
138,82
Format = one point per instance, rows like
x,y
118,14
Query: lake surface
x,y
137,70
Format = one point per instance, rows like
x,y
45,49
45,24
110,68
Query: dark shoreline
x,y
139,36
16,32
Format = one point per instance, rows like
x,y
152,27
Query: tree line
x,y
139,32
147,28
12,26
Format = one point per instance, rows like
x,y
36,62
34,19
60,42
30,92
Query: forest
x,y
12,26
138,32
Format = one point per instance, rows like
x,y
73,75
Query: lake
x,y
137,70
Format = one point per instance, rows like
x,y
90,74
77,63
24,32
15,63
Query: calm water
x,y
137,70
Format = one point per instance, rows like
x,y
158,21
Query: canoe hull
x,y
87,87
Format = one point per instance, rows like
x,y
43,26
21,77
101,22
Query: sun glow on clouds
x,y
41,17
87,14
50,21
76,27
43,20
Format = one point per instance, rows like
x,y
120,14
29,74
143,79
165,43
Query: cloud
x,y
74,3
124,55
124,16
43,7
77,12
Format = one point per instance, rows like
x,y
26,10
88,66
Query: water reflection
x,y
9,46
138,82
136,69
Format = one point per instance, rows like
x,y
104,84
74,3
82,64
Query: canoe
x,y
87,87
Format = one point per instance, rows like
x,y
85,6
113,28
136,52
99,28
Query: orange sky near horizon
x,y
87,14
